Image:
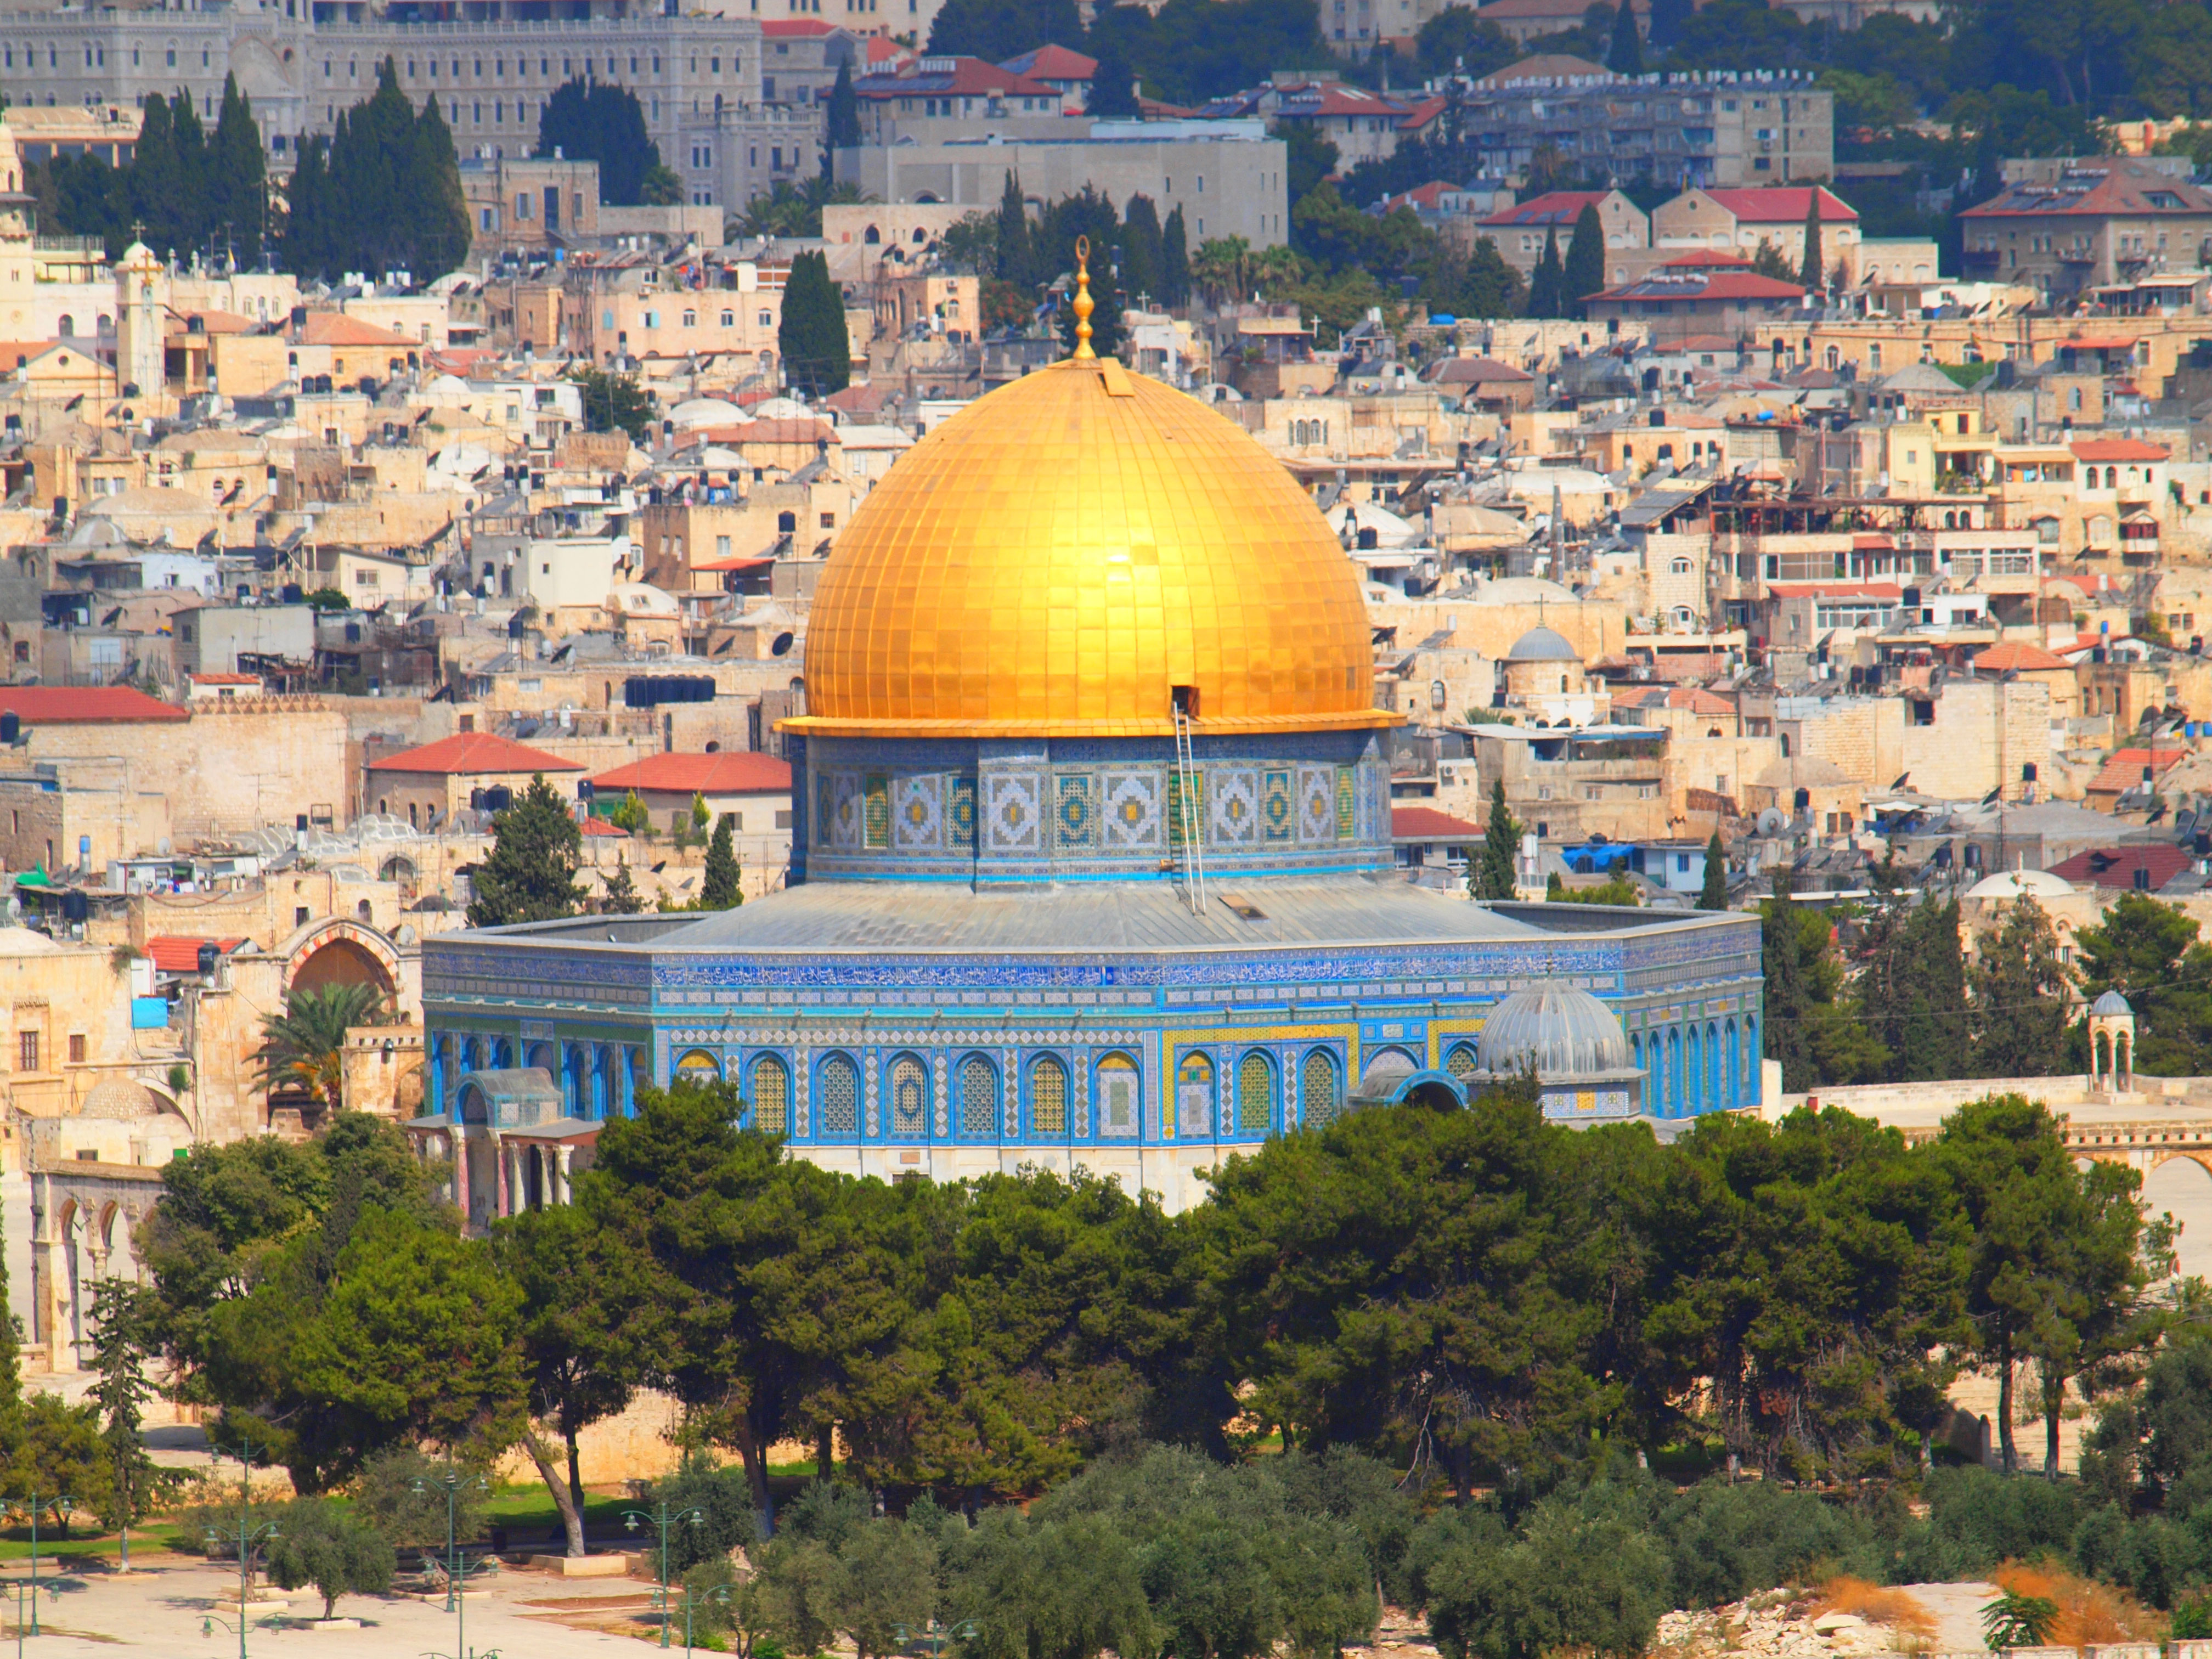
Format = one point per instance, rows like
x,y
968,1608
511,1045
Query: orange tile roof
x,y
737,773
601,827
1427,824
2119,449
335,328
466,752
83,705
2124,771
179,953
2015,658
1783,204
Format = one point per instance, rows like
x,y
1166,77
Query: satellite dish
x,y
1772,822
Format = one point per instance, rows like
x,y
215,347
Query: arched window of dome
x,y
698,1066
979,1096
909,1090
1735,1068
67,326
502,1054
1714,1100
1321,1099
470,1055
1048,1097
771,1096
837,1096
1194,1096
1459,1061
1118,1097
1674,1074
1255,1094
1693,1097
872,237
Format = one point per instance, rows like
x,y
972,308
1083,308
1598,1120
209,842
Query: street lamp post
x,y
247,1535
36,1505
932,1636
720,1594
30,1589
663,1517
453,1482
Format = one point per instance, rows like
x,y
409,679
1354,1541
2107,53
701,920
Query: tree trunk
x,y
2007,1455
572,1513
756,1465
2054,1398
575,1472
825,1452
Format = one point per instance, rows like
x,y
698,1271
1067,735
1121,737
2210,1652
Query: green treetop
x,y
1714,897
1584,274
530,875
1492,876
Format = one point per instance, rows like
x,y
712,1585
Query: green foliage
x,y
304,1047
1457,40
661,186
2021,988
816,346
1768,260
1625,47
1190,51
1619,888
619,896
59,1452
183,192
530,874
794,210
125,1324
1584,274
1814,1025
1493,876
328,599
1713,895
842,121
323,1544
720,888
1913,988
614,403
1576,1577
1308,158
598,121
1812,273
2015,1621
1113,88
2149,952
719,1495
998,29
384,1496
1545,286
631,815
382,193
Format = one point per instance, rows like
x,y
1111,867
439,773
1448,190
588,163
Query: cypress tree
x,y
1788,995
238,179
1715,895
440,230
1812,273
384,195
1492,288
1014,252
1141,249
1584,272
1544,287
2021,992
157,184
1174,261
308,245
597,121
1113,88
1625,53
1667,17
189,139
817,352
841,125
720,889
1492,876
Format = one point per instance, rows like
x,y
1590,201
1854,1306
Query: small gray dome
x,y
1568,1033
1542,645
2112,1003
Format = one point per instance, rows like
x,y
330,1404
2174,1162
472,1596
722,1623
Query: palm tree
x,y
1223,266
305,1045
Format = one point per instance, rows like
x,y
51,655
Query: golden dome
x,y
1056,558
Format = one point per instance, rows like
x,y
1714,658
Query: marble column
x,y
500,1152
563,1193
461,1174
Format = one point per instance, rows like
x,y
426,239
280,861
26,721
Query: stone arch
x,y
340,950
2180,1185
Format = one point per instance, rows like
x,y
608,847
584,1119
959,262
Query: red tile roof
x,y
178,953
466,752
1051,62
225,679
335,328
1707,258
2124,771
2096,186
2116,867
1835,590
1427,824
969,77
1557,206
732,773
2119,449
1785,204
601,827
2015,659
84,705
795,28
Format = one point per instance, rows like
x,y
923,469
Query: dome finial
x,y
1084,303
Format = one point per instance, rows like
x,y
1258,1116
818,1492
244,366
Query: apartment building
x,y
2103,220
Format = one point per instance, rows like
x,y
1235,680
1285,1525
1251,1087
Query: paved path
x,y
525,1615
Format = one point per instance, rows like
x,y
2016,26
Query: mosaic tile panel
x,y
875,796
845,826
1348,805
1316,805
1013,816
918,820
1075,827
1276,820
1129,815
825,800
960,818
1236,806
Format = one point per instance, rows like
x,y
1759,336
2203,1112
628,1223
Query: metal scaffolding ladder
x,y
1187,813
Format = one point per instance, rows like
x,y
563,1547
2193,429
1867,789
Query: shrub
x,y
320,1543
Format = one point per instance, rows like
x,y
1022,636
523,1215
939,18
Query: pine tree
x,y
1584,272
123,1338
597,121
817,352
2020,990
1174,261
719,889
1544,287
1015,258
1491,288
1493,874
620,897
11,1378
1929,1012
1625,54
530,875
842,122
1812,273
1667,17
1113,88
1715,895
384,195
